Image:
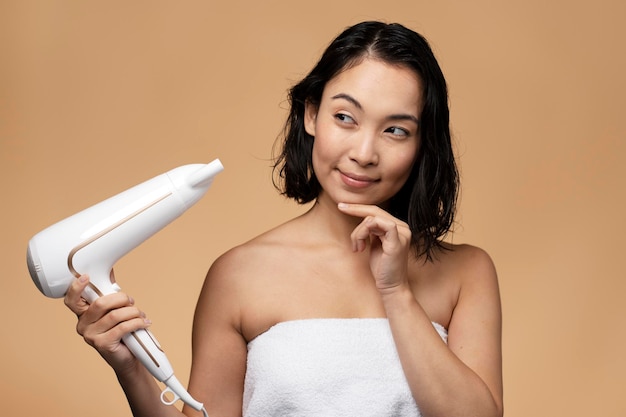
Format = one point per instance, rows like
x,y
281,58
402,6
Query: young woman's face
x,y
366,132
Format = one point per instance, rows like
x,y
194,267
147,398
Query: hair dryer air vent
x,y
35,270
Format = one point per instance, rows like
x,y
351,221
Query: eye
x,y
344,118
398,131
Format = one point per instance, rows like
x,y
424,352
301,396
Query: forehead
x,y
374,83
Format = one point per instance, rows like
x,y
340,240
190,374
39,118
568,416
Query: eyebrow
x,y
358,105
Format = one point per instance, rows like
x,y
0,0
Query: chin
x,y
346,196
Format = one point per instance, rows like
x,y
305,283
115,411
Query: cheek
x,y
400,176
402,166
323,152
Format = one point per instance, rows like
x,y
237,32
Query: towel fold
x,y
329,368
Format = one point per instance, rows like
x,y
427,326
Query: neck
x,y
329,223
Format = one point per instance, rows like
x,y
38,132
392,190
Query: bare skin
x,y
337,260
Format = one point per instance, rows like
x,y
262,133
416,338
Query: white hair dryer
x,y
91,241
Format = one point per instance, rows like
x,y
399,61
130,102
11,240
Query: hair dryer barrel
x,y
91,241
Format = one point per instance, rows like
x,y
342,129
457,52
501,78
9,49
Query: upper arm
x,y
475,330
219,349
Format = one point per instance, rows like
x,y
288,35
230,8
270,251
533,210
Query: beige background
x,y
98,96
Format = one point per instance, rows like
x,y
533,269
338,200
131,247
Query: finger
x,y
119,318
360,210
365,210
383,229
107,338
103,305
73,299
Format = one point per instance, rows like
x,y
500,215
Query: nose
x,y
364,149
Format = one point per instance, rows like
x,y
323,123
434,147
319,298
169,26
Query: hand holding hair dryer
x,y
93,240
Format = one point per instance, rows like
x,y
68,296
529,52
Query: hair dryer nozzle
x,y
205,174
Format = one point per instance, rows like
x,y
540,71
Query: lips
x,y
356,180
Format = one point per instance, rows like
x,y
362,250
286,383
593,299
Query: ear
x,y
310,116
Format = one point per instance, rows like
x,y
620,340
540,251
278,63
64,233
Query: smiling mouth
x,y
357,181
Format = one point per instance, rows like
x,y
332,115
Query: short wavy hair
x,y
427,201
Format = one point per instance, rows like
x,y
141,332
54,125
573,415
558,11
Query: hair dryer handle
x,y
141,342
144,346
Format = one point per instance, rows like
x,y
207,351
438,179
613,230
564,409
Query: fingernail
x,y
82,279
147,321
342,205
131,300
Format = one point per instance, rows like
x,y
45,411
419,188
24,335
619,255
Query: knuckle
x,y
123,314
87,336
99,303
91,340
115,317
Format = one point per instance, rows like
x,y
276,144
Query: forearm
x,y
440,382
143,394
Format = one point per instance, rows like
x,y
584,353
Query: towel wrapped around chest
x,y
329,368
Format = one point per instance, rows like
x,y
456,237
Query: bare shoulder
x,y
468,263
232,271
476,314
453,281
254,255
475,276
243,281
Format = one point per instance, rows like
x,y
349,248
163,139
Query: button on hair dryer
x,y
91,241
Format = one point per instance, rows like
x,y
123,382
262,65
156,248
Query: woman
x,y
356,307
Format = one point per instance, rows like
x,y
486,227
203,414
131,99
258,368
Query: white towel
x,y
327,368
